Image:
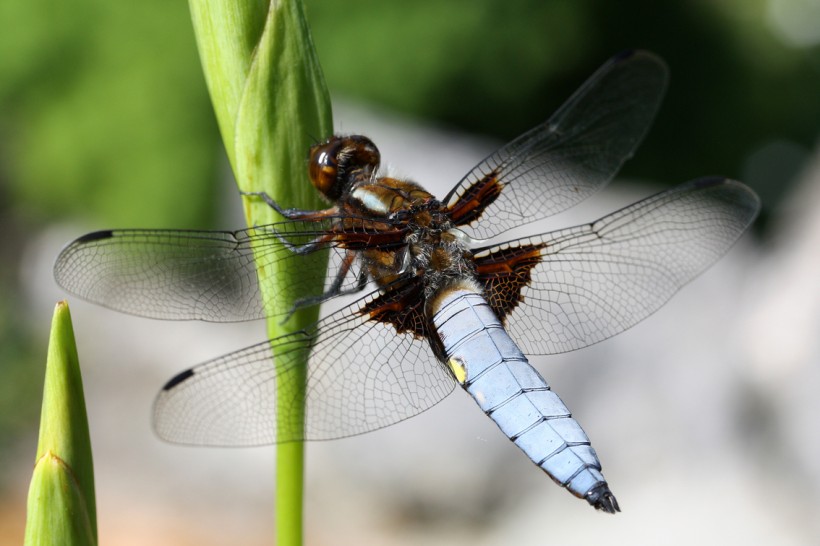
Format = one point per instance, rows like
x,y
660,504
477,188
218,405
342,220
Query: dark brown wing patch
x,y
504,273
403,307
478,197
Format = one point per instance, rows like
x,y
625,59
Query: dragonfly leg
x,y
335,288
307,248
292,213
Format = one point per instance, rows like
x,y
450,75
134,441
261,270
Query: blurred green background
x,y
106,120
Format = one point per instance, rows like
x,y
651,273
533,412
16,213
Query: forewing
x,y
199,275
575,152
596,280
361,376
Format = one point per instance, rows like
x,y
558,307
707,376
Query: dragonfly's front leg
x,y
293,213
298,214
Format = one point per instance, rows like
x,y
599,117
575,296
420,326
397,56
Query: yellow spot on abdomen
x,y
458,369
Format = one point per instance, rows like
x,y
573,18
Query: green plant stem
x,y
271,102
289,492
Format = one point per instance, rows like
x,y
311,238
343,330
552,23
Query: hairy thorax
x,y
433,249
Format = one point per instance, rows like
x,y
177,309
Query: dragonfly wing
x,y
361,376
573,154
596,280
193,275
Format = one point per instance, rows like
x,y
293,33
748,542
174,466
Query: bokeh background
x,y
705,416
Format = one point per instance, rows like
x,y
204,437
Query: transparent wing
x,y
576,151
199,275
598,279
361,376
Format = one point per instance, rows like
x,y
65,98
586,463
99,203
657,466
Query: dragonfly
x,y
440,304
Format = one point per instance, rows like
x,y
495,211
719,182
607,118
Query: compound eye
x,y
340,162
324,169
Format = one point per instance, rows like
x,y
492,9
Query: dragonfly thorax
x,y
439,257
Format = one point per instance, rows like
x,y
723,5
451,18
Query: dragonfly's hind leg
x,y
336,287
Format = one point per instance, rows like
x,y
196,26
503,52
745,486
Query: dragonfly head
x,y
334,165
